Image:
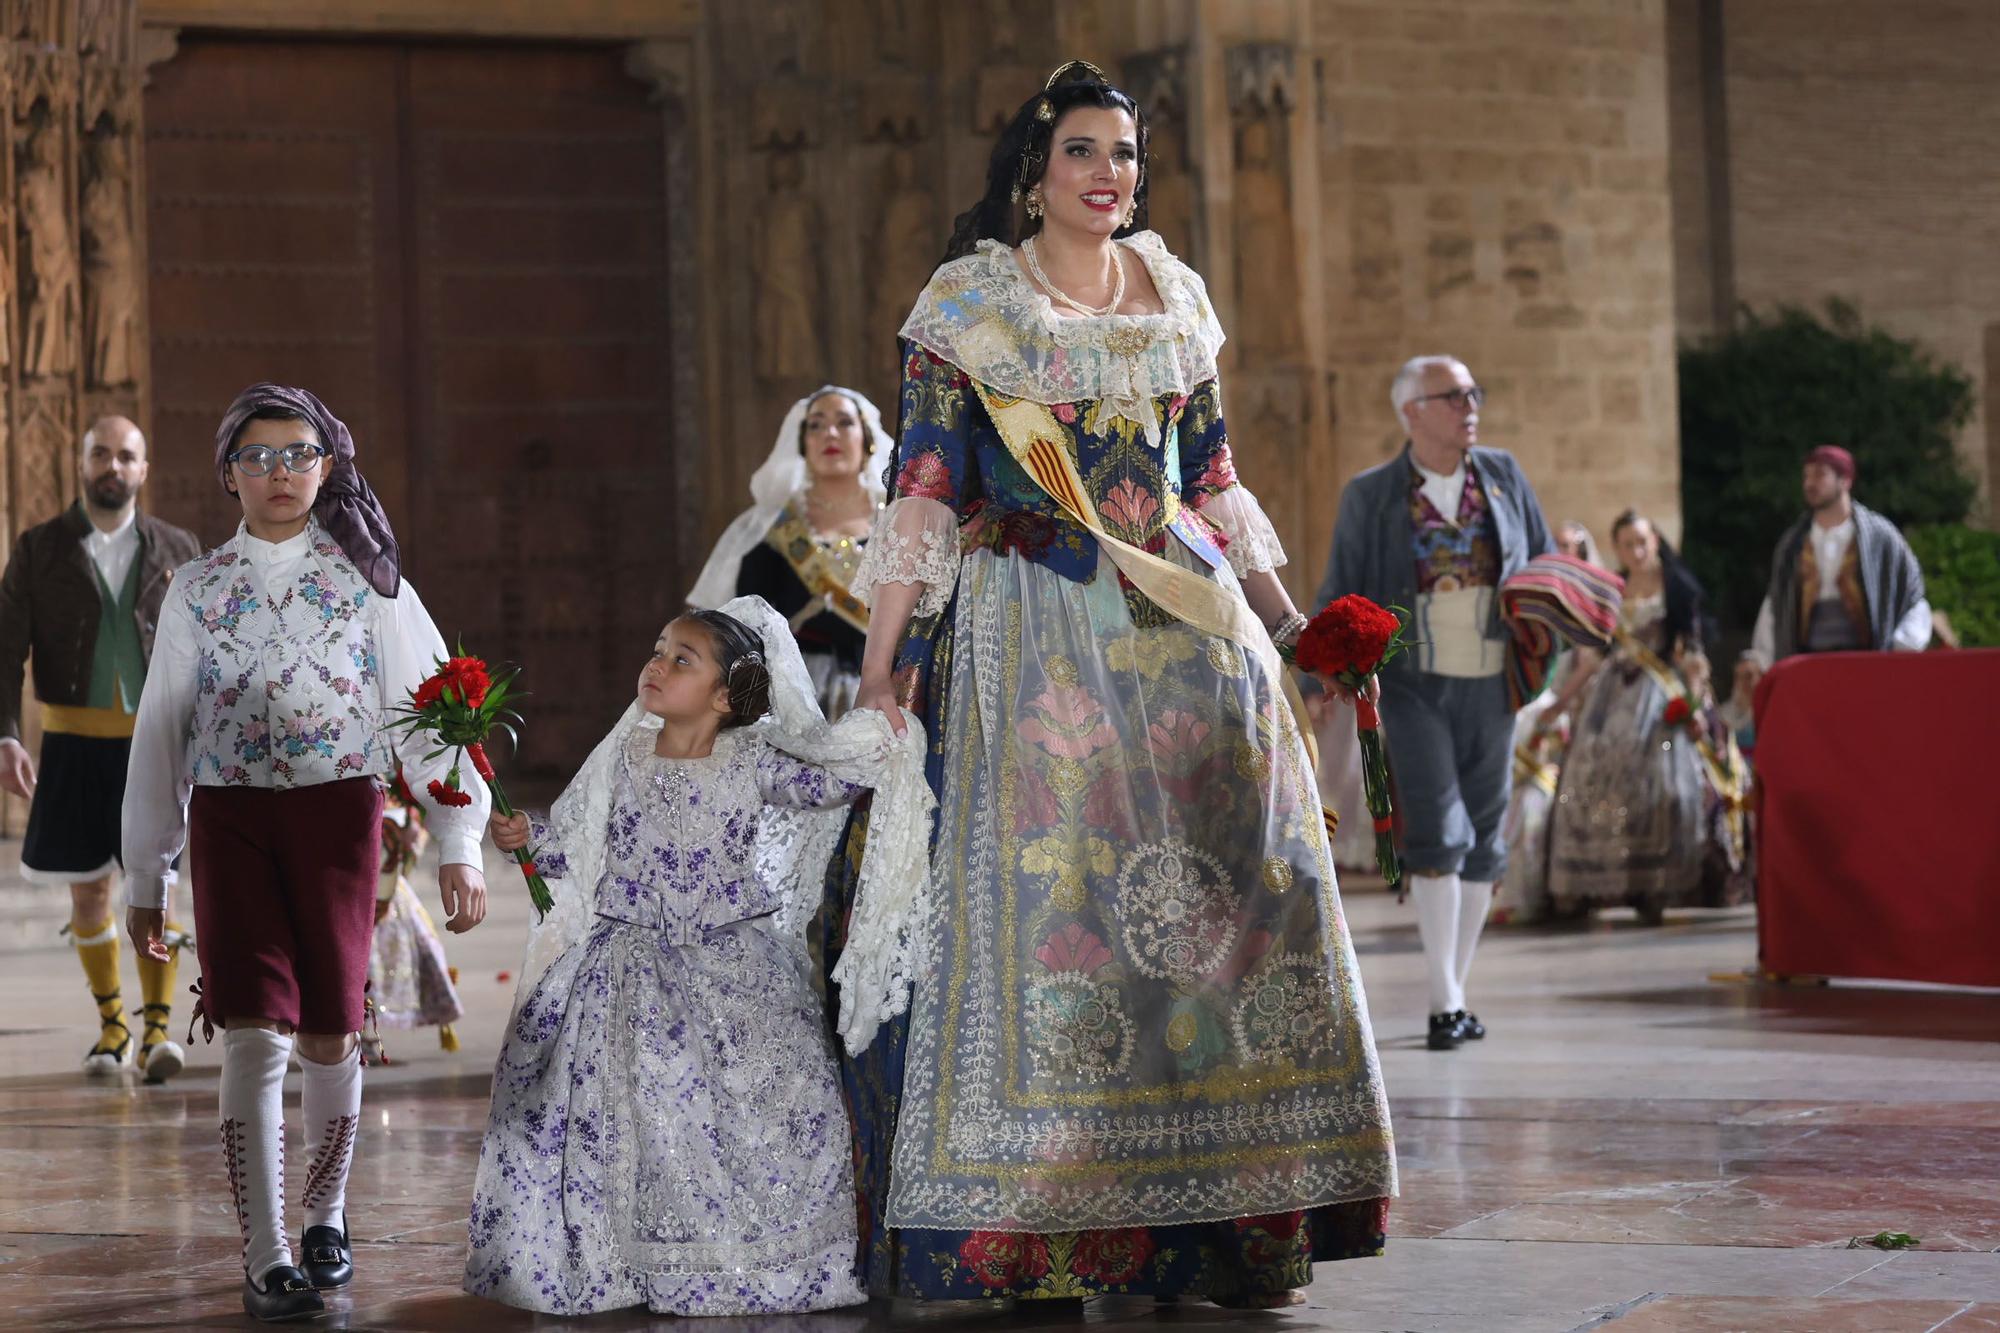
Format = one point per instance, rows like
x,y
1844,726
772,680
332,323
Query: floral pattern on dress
x,y
666,1127
1115,792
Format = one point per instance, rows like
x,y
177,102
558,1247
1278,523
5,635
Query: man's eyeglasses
x,y
1457,399
257,460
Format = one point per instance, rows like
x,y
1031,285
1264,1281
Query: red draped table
x,y
1879,849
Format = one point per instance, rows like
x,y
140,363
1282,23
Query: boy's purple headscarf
x,y
346,507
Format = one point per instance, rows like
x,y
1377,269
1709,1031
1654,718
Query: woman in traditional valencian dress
x,y
1138,1056
1541,733
1649,810
816,499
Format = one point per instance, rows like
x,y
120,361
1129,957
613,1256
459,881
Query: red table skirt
x,y
1879,854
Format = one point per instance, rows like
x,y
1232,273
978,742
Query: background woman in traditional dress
x,y
816,498
1137,923
1640,817
1541,734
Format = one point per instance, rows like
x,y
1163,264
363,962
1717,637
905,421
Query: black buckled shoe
x,y
1447,1032
284,1294
1470,1026
329,1259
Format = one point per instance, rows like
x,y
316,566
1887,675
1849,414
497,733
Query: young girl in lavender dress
x,y
667,1128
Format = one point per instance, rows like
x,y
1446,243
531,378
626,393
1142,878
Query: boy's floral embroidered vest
x,y
287,692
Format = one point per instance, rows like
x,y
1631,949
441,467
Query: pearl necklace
x,y
1117,283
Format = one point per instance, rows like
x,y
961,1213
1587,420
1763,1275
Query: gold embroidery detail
x,y
1224,657
1252,763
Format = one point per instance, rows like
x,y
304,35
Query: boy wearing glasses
x,y
83,593
262,744
1435,531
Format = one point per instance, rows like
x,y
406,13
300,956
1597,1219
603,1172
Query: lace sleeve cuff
x,y
1253,542
915,541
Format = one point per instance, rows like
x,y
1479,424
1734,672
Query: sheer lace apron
x,y
1139,1004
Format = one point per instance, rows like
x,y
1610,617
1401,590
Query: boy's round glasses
x,y
257,460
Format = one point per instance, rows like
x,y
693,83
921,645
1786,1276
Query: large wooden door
x,y
463,250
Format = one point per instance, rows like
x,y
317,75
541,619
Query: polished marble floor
x,y
1636,1146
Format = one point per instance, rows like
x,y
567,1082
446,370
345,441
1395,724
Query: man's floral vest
x,y
288,691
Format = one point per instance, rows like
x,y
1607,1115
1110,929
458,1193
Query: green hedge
x,y
1753,402
1962,579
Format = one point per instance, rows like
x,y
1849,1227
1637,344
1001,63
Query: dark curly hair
x,y
739,656
1022,156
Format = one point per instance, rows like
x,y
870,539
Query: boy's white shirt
x,y
157,783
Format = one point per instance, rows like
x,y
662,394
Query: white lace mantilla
x,y
794,846
985,316
915,541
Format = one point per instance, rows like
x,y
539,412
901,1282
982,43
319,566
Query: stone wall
x,y
1495,180
1860,152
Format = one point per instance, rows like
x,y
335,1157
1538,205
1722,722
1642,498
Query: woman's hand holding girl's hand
x,y
510,834
880,695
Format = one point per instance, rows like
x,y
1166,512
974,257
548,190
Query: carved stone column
x,y
1159,82
72,273
114,342
45,332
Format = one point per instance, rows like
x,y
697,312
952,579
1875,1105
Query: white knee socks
x,y
1474,902
332,1097
252,1106
1437,898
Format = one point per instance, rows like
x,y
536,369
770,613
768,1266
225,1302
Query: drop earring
x,y
1035,202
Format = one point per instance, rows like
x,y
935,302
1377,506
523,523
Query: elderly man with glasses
x,y
1435,530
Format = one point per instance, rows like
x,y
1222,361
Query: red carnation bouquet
x,y
1349,642
459,706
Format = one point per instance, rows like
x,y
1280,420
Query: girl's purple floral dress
x,y
667,1128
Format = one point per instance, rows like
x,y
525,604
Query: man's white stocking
x,y
1437,898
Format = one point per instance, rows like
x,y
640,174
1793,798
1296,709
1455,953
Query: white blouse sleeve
x,y
1253,542
153,823
915,541
411,647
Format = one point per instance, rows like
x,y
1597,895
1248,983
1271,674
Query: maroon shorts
x,y
284,900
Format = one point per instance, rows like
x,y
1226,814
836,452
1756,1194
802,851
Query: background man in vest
x,y
1435,530
82,592
1843,578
